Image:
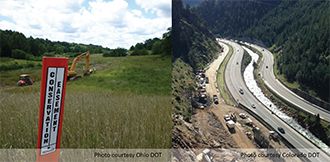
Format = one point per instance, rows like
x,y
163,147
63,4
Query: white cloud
x,y
161,7
110,24
136,12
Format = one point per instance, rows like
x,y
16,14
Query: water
x,y
256,91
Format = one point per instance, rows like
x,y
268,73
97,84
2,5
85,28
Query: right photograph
x,y
250,80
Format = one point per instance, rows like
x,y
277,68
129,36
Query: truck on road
x,y
230,124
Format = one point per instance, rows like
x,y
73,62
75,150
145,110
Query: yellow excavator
x,y
72,70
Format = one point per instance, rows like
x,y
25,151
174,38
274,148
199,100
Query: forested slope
x,y
192,41
302,31
299,28
193,46
231,18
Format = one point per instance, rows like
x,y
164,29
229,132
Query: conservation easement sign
x,y
53,82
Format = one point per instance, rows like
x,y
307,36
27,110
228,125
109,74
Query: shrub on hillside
x,y
7,67
28,65
119,52
49,55
6,59
33,58
138,52
107,54
18,54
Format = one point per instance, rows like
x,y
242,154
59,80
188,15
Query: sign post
x,y
52,95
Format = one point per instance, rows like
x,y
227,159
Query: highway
x,y
270,79
234,81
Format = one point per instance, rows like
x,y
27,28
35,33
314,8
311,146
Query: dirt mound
x,y
206,132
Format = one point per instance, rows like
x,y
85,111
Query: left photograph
x,y
114,91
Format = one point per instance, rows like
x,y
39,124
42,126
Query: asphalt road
x,y
270,79
234,81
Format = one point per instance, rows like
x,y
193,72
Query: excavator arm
x,y
72,70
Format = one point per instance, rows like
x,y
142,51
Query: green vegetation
x,y
281,76
193,42
220,78
126,104
154,46
188,3
193,47
297,30
308,121
228,18
118,52
182,88
91,120
149,75
15,66
15,44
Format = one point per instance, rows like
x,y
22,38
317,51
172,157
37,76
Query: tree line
x,y
153,46
15,45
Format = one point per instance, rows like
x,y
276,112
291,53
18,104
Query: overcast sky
x,y
110,23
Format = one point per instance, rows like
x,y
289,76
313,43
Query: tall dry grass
x,y
90,120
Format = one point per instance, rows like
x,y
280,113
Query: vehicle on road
x,y
253,105
207,80
215,99
241,90
281,130
226,117
230,124
267,67
25,79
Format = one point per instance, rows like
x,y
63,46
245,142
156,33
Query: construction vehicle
x,y
24,80
233,117
273,135
72,70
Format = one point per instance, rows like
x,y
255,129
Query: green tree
x,y
18,54
59,50
156,48
42,49
18,41
5,49
167,42
139,46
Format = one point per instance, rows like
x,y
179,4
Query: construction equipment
x,y
233,117
273,135
72,70
24,80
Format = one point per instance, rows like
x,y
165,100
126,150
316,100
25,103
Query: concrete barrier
x,y
323,104
261,120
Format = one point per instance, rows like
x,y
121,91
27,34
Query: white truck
x,y
230,124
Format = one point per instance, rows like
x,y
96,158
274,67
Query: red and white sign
x,y
53,83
